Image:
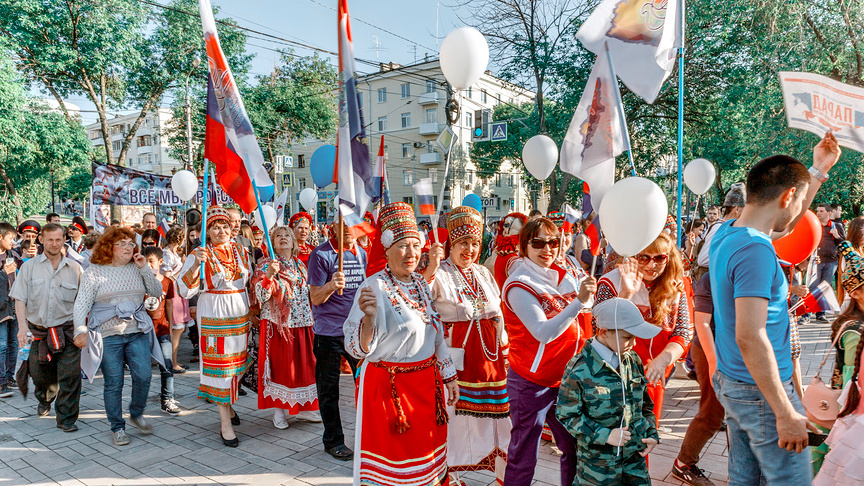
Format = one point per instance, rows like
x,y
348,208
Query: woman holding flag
x,y
469,301
394,327
222,315
654,281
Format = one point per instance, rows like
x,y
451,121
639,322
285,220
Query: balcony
x,y
430,129
145,149
428,98
431,158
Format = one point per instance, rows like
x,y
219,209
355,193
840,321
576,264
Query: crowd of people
x,y
461,363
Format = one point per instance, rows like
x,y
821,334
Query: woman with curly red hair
x,y
110,309
654,281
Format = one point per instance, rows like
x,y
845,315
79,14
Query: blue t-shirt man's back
x,y
323,263
744,264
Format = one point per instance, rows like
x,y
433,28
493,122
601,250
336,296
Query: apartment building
x,y
406,104
149,149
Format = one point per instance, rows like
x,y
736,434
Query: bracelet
x,y
817,174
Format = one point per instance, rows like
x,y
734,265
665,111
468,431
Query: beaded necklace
x,y
395,294
474,291
231,270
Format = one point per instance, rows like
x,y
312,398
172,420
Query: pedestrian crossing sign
x,y
499,132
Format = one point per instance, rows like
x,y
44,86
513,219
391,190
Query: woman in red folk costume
x,y
468,299
401,435
568,262
286,364
507,245
301,223
654,281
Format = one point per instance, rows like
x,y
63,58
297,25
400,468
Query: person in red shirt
x,y
161,311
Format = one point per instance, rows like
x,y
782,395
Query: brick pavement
x,y
187,450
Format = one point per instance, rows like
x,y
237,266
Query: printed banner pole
x,y
264,222
204,214
680,124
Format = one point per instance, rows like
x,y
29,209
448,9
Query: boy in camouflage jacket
x,y
606,406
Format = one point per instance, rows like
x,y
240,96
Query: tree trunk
x,y
10,186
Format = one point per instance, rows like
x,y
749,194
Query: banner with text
x,y
819,104
113,184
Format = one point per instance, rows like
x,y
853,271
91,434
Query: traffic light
x,y
482,120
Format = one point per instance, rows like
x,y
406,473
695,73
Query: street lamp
x,y
188,111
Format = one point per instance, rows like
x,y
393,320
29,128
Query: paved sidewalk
x,y
187,449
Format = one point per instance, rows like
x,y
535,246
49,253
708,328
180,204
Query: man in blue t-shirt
x,y
330,309
766,423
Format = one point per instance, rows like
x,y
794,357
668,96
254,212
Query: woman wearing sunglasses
x,y
541,301
654,281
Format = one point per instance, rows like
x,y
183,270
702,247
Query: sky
x,y
400,31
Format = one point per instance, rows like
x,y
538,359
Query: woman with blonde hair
x,y
654,281
286,363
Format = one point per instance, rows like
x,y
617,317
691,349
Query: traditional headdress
x,y
217,213
29,225
556,217
852,276
369,218
256,230
397,223
295,220
464,222
79,224
671,225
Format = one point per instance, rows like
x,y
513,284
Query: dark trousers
x,y
709,418
329,351
58,379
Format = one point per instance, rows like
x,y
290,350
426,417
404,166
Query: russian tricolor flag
x,y
424,195
571,217
822,299
353,171
163,227
382,189
230,142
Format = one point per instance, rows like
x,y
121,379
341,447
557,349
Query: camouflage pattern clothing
x,y
590,405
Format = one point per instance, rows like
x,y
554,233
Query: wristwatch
x,y
817,174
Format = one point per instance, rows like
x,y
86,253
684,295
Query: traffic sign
x,y
498,132
287,180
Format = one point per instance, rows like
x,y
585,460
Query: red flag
x,y
593,234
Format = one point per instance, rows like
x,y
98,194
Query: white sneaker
x,y
309,416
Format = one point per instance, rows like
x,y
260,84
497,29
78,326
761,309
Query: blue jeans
x,y
754,456
133,350
825,272
166,392
8,350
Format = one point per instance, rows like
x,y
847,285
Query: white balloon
x,y
309,199
699,176
540,154
633,213
463,57
184,184
269,216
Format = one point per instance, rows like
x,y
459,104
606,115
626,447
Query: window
x,y
469,120
302,183
382,95
406,120
510,180
433,174
431,86
386,153
429,147
406,90
117,145
482,96
469,93
498,180
408,178
301,161
431,115
382,123
145,141
406,150
469,176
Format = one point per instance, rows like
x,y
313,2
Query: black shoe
x,y
11,383
67,427
5,392
43,410
690,475
235,420
821,319
180,371
341,452
242,392
230,443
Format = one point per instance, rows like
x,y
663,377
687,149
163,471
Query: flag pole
x,y
264,222
680,117
621,117
434,217
341,244
204,214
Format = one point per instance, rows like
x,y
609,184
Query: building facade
x,y
407,106
148,151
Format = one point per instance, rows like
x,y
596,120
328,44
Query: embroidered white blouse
x,y
455,299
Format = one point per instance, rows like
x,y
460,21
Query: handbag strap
x,y
833,346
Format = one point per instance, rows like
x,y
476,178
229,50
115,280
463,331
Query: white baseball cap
x,y
621,314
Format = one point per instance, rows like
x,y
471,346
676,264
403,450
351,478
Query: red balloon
x,y
802,241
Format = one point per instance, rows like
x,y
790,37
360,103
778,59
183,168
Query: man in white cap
x,y
603,399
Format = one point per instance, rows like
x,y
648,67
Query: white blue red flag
x,y
230,142
425,197
163,227
822,299
281,203
595,136
382,187
353,170
571,217
642,37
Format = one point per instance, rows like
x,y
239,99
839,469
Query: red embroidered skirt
x,y
417,455
483,381
286,369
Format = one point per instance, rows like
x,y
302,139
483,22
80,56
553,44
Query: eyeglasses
x,y
644,259
128,244
539,243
